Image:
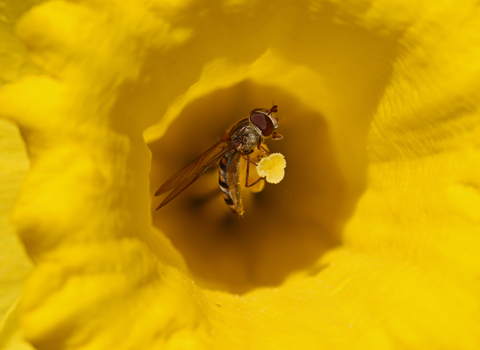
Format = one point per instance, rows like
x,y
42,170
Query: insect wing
x,y
185,177
191,168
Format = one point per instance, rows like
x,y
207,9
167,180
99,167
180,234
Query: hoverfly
x,y
239,142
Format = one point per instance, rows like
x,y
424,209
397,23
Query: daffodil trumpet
x,y
241,141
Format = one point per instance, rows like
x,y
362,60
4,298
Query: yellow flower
x,y
371,240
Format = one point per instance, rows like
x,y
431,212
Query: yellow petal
x,y
14,265
14,61
371,241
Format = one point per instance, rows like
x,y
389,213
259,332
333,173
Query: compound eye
x,y
263,122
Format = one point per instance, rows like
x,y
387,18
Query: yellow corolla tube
x,y
370,241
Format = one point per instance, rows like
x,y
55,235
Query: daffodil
x,y
370,241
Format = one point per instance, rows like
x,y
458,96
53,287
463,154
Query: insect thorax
x,y
249,133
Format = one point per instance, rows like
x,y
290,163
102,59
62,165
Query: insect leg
x,y
263,149
248,172
248,160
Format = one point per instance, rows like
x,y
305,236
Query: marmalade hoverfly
x,y
239,142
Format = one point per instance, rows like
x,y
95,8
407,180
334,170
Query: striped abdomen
x,y
228,172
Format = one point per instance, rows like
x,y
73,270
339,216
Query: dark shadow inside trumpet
x,y
286,227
